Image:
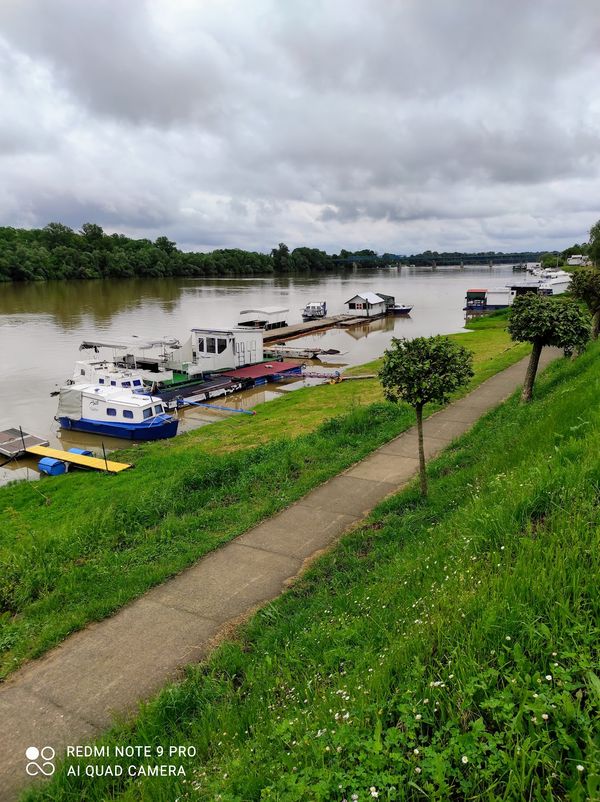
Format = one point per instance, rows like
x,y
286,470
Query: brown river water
x,y
43,324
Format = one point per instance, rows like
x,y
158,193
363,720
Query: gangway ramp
x,y
96,463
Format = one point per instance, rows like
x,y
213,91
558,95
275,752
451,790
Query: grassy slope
x,y
445,650
122,534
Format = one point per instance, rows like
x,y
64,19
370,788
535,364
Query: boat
x,y
314,310
267,318
171,370
554,282
114,412
305,352
400,309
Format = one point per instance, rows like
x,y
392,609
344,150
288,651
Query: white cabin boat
x,y
269,317
314,310
114,412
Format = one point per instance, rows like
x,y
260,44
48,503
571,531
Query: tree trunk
x,y
534,361
422,472
596,324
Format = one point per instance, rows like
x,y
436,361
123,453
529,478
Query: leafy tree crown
x,y
424,370
540,320
585,285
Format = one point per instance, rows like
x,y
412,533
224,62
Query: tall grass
x,y
446,650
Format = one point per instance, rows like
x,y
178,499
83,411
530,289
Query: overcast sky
x,y
401,126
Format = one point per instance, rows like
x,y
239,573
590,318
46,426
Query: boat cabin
x,y
269,317
106,374
366,304
107,404
223,349
476,299
390,301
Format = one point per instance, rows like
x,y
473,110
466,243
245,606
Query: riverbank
x,y
122,535
447,648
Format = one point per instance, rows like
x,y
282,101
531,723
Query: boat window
x,y
110,411
100,381
82,372
147,413
137,382
158,409
113,384
126,384
210,345
221,345
127,413
201,343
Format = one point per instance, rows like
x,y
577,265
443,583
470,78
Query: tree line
x,y
58,252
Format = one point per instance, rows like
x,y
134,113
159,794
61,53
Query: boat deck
x,y
15,442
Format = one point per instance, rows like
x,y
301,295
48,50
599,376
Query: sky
x,y
400,126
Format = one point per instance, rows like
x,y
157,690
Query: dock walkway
x,y
301,329
71,694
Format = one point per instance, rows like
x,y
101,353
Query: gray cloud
x,y
347,124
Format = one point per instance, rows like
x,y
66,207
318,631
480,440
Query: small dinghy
x,y
114,412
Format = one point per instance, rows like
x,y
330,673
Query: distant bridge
x,y
442,260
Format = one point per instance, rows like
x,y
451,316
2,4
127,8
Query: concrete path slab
x,y
407,446
298,531
390,468
227,582
69,695
348,494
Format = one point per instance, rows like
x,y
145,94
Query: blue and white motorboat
x,y
114,412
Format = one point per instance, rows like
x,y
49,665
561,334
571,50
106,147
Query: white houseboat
x,y
269,317
366,304
114,412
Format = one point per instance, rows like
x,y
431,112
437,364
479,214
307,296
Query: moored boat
x,y
114,412
314,310
400,309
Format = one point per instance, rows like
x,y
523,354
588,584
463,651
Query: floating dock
x,y
300,329
15,442
96,463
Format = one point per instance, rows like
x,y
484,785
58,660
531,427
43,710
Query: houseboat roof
x,y
133,343
231,330
264,310
115,395
370,297
261,370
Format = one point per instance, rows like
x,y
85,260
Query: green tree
x,y
421,371
542,321
165,244
280,256
594,244
585,285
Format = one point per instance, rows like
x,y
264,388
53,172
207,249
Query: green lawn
x,y
446,650
74,549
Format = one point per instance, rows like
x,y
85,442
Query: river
x,y
42,325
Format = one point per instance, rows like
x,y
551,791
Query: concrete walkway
x,y
71,694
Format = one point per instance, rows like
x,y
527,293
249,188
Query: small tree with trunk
x,y
541,321
585,285
421,371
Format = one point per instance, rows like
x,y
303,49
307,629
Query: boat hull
x,y
125,431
